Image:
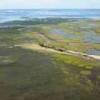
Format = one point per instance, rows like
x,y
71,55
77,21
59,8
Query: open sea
x,y
26,14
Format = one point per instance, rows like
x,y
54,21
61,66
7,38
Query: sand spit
x,y
45,49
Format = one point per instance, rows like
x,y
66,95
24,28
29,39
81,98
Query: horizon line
x,y
51,8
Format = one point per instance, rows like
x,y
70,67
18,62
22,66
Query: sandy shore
x,y
67,52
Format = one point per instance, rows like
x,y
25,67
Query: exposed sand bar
x,y
67,52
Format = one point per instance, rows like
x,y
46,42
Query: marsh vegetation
x,y
31,74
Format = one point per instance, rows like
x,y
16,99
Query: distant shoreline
x,y
27,14
43,20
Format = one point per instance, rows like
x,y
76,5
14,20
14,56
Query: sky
x,y
49,4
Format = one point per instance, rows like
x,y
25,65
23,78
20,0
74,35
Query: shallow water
x,y
20,14
64,34
91,37
93,52
88,37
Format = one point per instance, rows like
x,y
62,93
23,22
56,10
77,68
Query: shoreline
x,y
67,52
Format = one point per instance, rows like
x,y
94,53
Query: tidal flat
x,y
34,66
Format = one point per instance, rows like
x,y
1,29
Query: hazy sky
x,y
8,4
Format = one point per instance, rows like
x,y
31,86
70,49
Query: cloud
x,y
49,4
26,3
